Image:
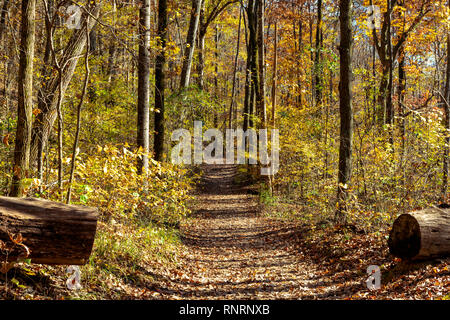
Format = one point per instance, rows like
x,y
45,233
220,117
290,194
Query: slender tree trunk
x,y
234,70
261,93
216,71
190,43
60,133
274,74
46,71
251,110
3,14
48,95
401,100
201,60
143,108
389,104
78,127
345,107
247,86
446,105
160,81
299,57
374,74
201,48
25,100
253,30
113,50
317,58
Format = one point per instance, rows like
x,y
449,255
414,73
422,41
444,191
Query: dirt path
x,y
233,253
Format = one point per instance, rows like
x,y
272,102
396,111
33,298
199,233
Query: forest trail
x,y
231,252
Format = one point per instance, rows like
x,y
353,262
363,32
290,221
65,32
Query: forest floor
x,y
232,251
232,247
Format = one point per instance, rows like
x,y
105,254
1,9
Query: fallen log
x,y
46,232
421,234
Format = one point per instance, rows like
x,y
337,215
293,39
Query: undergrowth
x,y
137,227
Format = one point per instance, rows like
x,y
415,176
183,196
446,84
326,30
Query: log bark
x,y
54,233
421,234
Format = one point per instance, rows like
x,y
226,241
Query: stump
x,y
421,234
53,233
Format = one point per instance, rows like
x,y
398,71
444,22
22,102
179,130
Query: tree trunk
x,y
78,126
190,43
48,95
345,107
299,69
253,45
274,73
25,99
113,50
234,72
445,103
160,81
3,14
52,232
421,234
317,58
247,86
261,93
201,60
201,48
46,71
401,100
216,71
389,105
402,119
143,105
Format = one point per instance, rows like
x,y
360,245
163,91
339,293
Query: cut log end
x,y
422,234
404,239
48,232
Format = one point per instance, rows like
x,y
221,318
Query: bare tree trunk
x,y
160,81
25,102
389,104
48,95
261,93
201,61
247,85
234,71
446,105
46,71
274,91
143,105
401,100
253,29
190,43
345,107
113,50
317,57
78,128
216,71
201,48
3,14
300,51
274,74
